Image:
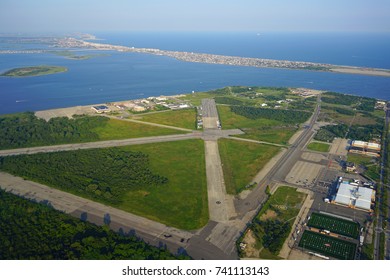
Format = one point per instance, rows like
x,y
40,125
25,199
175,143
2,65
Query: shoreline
x,y
228,60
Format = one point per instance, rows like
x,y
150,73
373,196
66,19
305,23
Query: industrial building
x,y
365,148
101,109
354,196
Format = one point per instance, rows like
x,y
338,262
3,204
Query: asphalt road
x,y
100,144
380,215
280,170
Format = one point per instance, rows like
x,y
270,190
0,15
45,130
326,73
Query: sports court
x,y
327,245
334,225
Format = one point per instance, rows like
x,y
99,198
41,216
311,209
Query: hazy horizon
x,y
301,16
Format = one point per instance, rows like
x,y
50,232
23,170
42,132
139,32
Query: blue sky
x,y
199,15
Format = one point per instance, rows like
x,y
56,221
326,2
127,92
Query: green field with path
x,y
241,161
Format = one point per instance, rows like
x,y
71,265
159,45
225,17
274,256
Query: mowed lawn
x,y
120,129
182,202
185,118
318,147
242,161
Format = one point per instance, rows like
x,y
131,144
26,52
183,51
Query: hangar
x,y
353,196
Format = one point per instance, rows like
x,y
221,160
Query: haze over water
x,y
122,76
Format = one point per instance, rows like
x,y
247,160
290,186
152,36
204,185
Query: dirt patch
x,y
300,255
270,214
250,249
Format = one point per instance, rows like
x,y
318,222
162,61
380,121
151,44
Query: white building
x,y
353,196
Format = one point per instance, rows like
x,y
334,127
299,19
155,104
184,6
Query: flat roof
x,y
351,195
100,107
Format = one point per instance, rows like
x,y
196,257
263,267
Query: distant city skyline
x,y
200,15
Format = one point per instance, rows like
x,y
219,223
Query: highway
x,y
280,170
381,218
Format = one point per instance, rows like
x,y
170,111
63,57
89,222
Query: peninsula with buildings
x,y
70,42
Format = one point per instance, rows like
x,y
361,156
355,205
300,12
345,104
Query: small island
x,y
33,71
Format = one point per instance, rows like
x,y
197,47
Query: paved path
x,y
153,232
257,142
221,207
209,114
100,144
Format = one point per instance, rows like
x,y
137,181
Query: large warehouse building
x,y
353,196
365,148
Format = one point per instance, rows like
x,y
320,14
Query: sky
x,y
195,15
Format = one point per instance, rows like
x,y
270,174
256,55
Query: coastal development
x,y
270,173
226,60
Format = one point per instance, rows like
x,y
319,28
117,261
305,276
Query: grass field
x,y
372,169
277,135
196,98
119,129
359,159
232,120
179,118
286,200
334,224
242,161
183,201
327,245
318,147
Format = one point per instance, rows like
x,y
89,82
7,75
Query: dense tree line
x,y
286,116
363,133
272,233
307,104
30,230
360,103
101,174
25,129
339,98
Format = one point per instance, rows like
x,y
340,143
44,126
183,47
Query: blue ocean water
x,y
123,76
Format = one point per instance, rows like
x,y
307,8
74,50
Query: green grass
x,y
232,120
34,71
182,202
165,183
359,159
337,248
196,98
242,161
334,224
120,129
179,118
372,168
318,147
286,200
277,135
